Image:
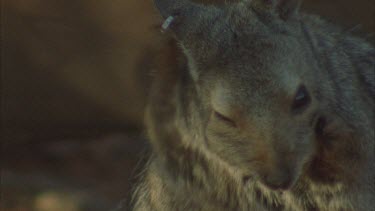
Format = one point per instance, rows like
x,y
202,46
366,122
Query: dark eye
x,y
225,119
301,100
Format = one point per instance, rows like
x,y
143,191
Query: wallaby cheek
x,y
227,151
337,155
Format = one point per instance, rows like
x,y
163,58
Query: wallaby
x,y
269,109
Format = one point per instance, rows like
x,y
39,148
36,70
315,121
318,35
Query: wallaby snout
x,y
280,177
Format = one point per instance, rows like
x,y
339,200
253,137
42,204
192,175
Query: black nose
x,y
282,180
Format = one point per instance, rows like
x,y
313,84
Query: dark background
x,y
74,81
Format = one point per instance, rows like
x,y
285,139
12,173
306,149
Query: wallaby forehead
x,y
234,35
252,54
256,57
261,71
259,82
252,95
241,40
257,79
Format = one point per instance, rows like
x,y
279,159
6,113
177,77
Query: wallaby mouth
x,y
279,185
282,180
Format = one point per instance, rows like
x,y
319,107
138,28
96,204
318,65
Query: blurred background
x,y
74,82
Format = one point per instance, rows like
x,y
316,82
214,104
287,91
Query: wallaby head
x,y
257,82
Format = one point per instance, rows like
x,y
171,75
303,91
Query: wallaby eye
x,y
224,119
301,100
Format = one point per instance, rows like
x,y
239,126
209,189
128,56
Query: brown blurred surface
x,y
88,174
75,76
73,65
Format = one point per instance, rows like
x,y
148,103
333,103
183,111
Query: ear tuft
x,y
183,17
178,14
167,23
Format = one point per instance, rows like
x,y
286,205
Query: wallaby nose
x,y
280,180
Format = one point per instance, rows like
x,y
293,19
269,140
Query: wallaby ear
x,y
177,14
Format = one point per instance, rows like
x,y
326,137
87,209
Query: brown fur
x,y
224,131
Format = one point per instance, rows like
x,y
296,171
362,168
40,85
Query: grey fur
x,y
246,62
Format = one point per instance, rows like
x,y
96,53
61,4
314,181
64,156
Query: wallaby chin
x,y
266,108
